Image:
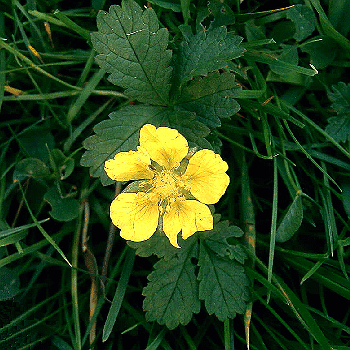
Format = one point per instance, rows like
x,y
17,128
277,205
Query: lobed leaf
x,y
205,52
121,134
223,284
133,49
211,97
159,245
339,126
171,296
217,240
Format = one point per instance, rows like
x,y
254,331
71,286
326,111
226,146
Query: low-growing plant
x,y
175,177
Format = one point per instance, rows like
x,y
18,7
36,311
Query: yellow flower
x,y
165,196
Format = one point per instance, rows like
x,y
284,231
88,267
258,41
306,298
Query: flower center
x,y
167,184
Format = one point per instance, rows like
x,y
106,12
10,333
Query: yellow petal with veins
x,y
206,176
165,146
136,214
189,216
132,165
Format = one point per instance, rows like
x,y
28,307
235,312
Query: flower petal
x,y
205,176
165,146
136,214
132,165
189,216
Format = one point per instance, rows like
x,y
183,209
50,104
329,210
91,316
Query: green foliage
x,y
205,52
304,20
223,284
134,50
232,76
174,291
211,97
62,208
9,283
291,221
171,296
30,167
339,126
121,133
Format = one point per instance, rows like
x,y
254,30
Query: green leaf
x,y
134,50
9,283
205,52
30,167
64,165
159,245
345,197
211,97
223,284
339,126
174,5
35,141
63,209
338,16
171,296
217,240
322,51
288,55
223,15
304,20
291,220
121,134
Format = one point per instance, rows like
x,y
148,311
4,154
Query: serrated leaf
x,y
133,49
171,296
217,240
211,97
205,52
304,20
339,126
340,97
121,134
223,284
159,245
291,220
